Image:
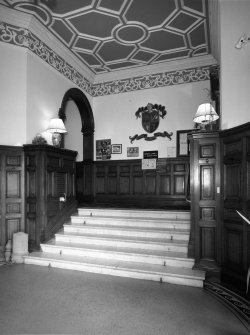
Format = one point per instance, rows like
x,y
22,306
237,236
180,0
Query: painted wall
x,y
115,116
13,92
73,139
45,90
235,63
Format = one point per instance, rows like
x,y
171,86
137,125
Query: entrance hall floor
x,y
43,300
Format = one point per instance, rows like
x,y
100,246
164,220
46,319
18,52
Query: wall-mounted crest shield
x,y
150,116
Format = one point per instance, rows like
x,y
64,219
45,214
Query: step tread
x,y
124,238
130,218
133,228
121,250
132,210
115,264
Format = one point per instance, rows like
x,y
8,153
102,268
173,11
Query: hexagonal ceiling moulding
x,y
95,24
182,22
122,65
111,5
89,58
130,33
163,40
195,6
152,13
143,56
172,56
200,51
62,31
84,43
39,12
113,51
198,36
65,6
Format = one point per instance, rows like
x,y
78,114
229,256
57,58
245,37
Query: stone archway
x,y
84,180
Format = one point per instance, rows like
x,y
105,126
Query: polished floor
x,y
43,300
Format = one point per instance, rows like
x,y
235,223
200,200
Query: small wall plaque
x,y
150,154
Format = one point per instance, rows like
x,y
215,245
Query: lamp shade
x,y
56,126
205,114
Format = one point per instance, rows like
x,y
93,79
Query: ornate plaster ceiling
x,y
109,35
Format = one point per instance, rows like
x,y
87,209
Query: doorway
x,y
84,168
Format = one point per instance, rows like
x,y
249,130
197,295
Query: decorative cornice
x,y
23,37
31,23
194,62
151,81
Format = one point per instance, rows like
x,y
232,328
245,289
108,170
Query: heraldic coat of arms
x,y
150,116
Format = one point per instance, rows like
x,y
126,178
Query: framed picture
x,y
133,152
116,148
103,149
182,143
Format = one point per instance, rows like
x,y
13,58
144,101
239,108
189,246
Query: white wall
x,y
13,71
235,63
115,116
45,90
73,140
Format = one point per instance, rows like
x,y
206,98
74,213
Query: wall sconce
x,y
243,40
56,127
205,114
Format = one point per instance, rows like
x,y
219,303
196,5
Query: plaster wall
x,y
115,116
13,93
73,139
235,63
45,91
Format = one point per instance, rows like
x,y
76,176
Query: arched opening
x,y
84,168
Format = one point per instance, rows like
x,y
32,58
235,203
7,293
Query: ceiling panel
x,y
110,35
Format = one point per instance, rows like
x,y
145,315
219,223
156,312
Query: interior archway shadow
x,y
84,169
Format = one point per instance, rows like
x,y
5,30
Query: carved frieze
x,y
25,38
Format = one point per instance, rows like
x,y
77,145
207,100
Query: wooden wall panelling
x,y
235,172
12,192
205,199
125,183
50,174
124,180
85,184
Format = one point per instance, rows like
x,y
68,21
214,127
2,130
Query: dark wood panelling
x,y
50,174
207,181
208,247
234,248
235,196
12,192
208,151
125,183
165,184
179,185
85,181
204,242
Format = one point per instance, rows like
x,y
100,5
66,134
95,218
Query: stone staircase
x,y
142,244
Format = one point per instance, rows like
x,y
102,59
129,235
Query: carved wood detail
x,y
12,192
50,174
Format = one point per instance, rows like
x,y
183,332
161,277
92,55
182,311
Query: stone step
x,y
125,254
124,241
132,213
130,222
168,274
128,231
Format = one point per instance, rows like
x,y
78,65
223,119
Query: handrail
x,y
248,272
243,217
